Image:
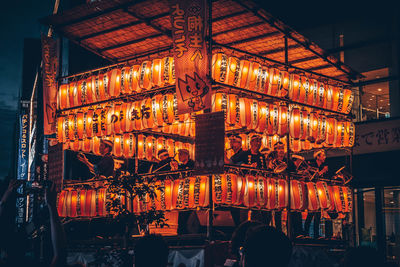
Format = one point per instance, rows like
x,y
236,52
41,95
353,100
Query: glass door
x,y
391,212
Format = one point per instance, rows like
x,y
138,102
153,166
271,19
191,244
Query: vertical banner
x,y
23,159
50,72
54,164
189,20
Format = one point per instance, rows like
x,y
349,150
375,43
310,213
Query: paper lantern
x,y
245,112
314,88
107,123
79,125
326,203
71,126
63,96
255,76
322,129
61,203
283,194
250,197
233,110
72,93
135,74
273,82
151,148
167,106
348,98
283,120
295,123
60,130
298,195
306,145
234,71
340,134
118,145
128,145
304,89
170,147
321,97
313,200
75,145
341,100
245,70
141,146
166,194
96,88
273,193
145,75
328,97
135,115
254,113
294,87
274,119
219,102
115,82
339,199
169,70
147,114
348,198
126,80
156,111
88,123
262,122
178,194
335,98
312,126
350,134
201,192
219,67
81,93
91,94
219,185
262,85
157,70
331,132
262,191
283,83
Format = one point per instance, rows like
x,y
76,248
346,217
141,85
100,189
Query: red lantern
x,y
303,124
335,98
331,132
145,75
60,130
304,90
262,191
118,145
254,113
63,96
151,148
254,76
324,196
328,97
61,203
141,146
313,200
321,98
295,123
156,110
250,199
233,110
87,145
167,107
340,136
219,67
283,198
115,82
96,145
178,194
262,122
135,115
128,145
283,121
298,195
314,88
295,145
312,127
169,70
283,84
157,69
245,70
147,114
339,198
294,87
273,191
348,198
234,70
72,93
79,125
245,112
219,102
126,80
135,73
348,98
273,82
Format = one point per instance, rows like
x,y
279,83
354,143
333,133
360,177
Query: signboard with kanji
x,y
189,23
209,141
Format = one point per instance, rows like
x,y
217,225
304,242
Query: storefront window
x,y
391,211
366,217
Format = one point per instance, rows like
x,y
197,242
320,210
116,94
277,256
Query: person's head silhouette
x,y
266,246
151,251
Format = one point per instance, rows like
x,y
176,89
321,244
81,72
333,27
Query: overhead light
x,y
370,99
379,89
369,105
381,107
388,104
381,100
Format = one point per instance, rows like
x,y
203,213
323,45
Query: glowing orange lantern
x,y
107,123
295,123
314,87
72,92
88,123
250,199
262,122
304,89
298,195
219,102
234,70
134,78
245,112
324,197
273,192
348,198
156,110
313,200
79,125
157,69
91,93
283,120
126,85
312,127
141,146
63,96
294,87
233,110
348,99
60,130
245,70
61,202
335,98
135,115
145,75
254,113
118,145
321,98
128,145
114,82
219,67
322,129
178,194
350,134
340,136
328,97
87,145
262,191
255,73
151,148
169,70
331,132
339,198
273,82
295,145
71,126
167,107
303,124
147,115
283,83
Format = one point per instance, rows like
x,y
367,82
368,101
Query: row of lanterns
x,y
229,189
157,113
117,81
229,70
271,81
125,146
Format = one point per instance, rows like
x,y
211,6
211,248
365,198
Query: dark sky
x,y
18,20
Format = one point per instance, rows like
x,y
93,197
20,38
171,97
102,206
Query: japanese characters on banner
x,y
189,23
50,72
23,158
377,136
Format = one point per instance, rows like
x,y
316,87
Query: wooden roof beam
x,y
254,38
130,42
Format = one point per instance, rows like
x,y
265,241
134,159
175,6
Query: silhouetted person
x,y
151,251
362,256
105,167
185,162
235,143
266,246
165,163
